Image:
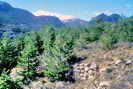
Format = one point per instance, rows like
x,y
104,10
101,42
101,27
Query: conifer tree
x,y
28,58
8,54
36,37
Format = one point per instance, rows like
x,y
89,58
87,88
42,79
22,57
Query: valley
x,y
45,50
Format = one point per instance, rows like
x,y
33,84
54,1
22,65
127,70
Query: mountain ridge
x,y
106,18
12,15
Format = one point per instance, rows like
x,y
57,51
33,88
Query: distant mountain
x,y
11,15
47,13
106,18
67,20
131,17
4,6
75,22
16,21
17,16
114,18
41,20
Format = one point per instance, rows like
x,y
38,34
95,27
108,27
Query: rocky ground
x,y
101,69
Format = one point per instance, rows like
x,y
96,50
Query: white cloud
x,y
47,13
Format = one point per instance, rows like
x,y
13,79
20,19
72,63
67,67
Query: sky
x,y
84,9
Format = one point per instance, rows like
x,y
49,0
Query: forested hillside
x,y
56,44
52,53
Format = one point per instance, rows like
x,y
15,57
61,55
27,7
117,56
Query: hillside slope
x,y
101,69
11,15
111,69
105,18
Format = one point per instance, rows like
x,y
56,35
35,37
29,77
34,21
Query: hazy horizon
x,y
83,9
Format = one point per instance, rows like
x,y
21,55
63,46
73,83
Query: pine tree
x,y
48,37
38,42
56,56
28,59
8,54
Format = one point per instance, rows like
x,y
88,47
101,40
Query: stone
x,y
83,78
118,62
76,66
85,74
90,72
45,80
128,62
81,75
86,69
90,77
82,71
82,64
14,73
77,70
103,69
36,85
59,84
93,66
86,65
105,84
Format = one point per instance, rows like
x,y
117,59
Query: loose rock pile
x,y
101,70
105,75
85,71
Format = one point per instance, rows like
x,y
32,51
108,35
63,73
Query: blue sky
x,y
84,9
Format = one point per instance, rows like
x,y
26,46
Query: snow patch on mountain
x,y
47,13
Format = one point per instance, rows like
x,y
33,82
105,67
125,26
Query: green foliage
x,y
57,49
109,70
58,73
28,58
118,32
48,36
29,51
125,31
55,65
7,83
38,42
108,40
8,54
93,33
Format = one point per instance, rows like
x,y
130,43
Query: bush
x,y
38,42
121,31
108,40
56,73
92,33
56,59
8,54
7,83
56,52
28,59
125,33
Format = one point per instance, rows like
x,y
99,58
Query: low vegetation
x,y
51,48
